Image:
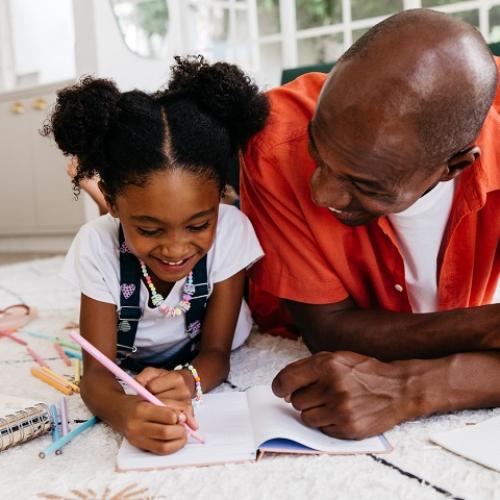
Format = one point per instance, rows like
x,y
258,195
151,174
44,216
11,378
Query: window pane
x,y
495,24
361,9
435,3
269,19
470,16
320,49
270,64
357,34
312,13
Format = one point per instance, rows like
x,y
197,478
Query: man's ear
x,y
460,161
109,202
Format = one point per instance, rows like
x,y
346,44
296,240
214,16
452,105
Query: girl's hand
x,y
164,384
153,428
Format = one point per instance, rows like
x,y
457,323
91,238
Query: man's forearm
x,y
459,381
390,335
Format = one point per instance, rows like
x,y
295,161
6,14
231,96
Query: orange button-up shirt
x,y
313,258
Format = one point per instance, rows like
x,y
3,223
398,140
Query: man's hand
x,y
346,395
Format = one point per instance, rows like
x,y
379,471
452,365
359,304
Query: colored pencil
x,y
60,379
11,336
44,377
126,378
62,354
38,335
63,410
76,367
72,354
67,438
68,344
36,357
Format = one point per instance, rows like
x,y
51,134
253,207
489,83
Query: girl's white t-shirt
x,y
93,265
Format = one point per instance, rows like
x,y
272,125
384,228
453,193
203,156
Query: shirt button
x,y
398,287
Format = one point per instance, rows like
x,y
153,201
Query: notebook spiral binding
x,y
23,425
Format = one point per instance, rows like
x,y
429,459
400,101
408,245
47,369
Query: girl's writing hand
x,y
170,387
157,429
166,384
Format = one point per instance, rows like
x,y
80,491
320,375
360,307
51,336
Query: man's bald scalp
x,y
434,72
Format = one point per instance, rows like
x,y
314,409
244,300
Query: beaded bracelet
x,y
197,380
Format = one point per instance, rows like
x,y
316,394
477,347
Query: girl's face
x,y
170,222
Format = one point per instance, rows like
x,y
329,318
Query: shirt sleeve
x,y
278,202
236,245
89,266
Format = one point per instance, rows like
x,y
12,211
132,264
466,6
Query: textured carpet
x,y
416,469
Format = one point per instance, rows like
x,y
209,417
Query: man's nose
x,y
329,194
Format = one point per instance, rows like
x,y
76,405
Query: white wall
x,y
43,39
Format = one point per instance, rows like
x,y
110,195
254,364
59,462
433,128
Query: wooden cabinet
x,y
36,195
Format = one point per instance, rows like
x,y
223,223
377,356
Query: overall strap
x,y
194,317
129,312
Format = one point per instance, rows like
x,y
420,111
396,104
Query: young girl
x,y
162,274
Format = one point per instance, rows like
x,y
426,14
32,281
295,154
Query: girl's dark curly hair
x,y
198,122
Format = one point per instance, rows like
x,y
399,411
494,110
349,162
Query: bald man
x,y
375,192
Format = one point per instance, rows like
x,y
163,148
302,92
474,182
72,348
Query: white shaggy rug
x,y
416,469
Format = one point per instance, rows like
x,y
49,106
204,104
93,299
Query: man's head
x,y
400,112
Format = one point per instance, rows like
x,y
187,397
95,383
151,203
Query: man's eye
x,y
148,232
201,227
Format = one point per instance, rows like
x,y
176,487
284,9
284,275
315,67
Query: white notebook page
x,y
225,424
273,418
480,442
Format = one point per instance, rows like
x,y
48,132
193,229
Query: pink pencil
x,y
62,354
36,357
12,337
125,377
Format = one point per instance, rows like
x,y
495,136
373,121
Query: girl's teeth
x,y
178,263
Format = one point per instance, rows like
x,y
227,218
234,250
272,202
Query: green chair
x,y
289,74
495,48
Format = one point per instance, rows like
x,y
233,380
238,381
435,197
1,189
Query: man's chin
x,y
353,219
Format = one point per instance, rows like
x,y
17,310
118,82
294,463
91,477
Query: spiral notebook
x,y
21,420
237,425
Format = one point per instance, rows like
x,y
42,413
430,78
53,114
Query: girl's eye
x,y
148,232
201,227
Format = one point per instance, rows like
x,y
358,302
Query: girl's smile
x,y
169,222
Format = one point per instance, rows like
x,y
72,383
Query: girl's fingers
x,y
148,374
164,432
160,447
169,382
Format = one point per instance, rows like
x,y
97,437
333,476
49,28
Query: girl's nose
x,y
330,193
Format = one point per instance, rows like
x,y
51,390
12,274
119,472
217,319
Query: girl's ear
x,y
109,201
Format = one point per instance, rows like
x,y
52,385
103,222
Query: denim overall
x,y
130,312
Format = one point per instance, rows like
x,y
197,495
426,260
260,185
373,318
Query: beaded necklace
x,y
158,300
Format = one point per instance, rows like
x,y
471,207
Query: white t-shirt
x,y
420,230
93,265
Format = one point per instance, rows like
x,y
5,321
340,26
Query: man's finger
x,y
294,376
309,397
320,416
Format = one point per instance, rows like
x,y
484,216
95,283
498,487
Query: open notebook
x,y
238,424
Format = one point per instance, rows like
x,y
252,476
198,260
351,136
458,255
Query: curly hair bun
x,y
223,91
82,115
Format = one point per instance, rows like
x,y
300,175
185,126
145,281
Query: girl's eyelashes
x,y
198,228
148,232
155,232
